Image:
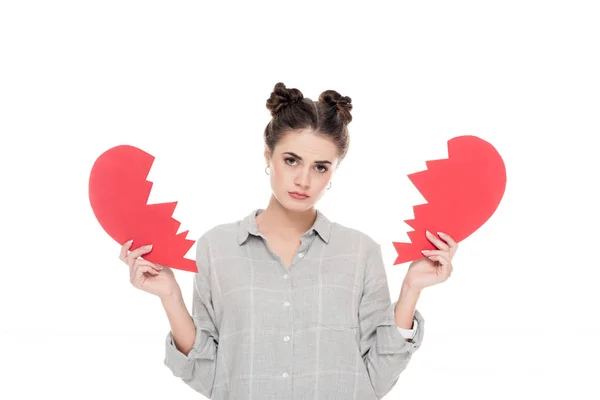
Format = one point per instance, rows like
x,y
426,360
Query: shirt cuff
x,y
182,364
409,333
391,341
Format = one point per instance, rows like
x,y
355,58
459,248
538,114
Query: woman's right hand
x,y
148,276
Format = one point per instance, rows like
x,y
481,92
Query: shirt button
x,y
285,375
285,276
287,338
300,255
287,304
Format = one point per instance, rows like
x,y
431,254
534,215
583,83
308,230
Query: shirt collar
x,y
247,226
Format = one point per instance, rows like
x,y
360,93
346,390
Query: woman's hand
x,y
436,266
147,276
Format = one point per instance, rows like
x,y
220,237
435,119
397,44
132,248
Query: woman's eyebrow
x,y
300,158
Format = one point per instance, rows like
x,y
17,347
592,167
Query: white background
x,y
188,81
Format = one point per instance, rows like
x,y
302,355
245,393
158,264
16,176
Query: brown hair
x,y
290,110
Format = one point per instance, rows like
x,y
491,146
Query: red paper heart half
x,y
119,192
462,193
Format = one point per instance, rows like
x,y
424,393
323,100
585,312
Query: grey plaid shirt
x,y
322,329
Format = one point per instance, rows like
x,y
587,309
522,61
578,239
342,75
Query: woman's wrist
x,y
405,306
407,287
172,296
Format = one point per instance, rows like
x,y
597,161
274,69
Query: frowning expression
x,y
302,162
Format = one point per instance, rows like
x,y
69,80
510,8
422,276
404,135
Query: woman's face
x,y
301,162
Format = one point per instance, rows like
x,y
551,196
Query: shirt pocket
x,y
339,291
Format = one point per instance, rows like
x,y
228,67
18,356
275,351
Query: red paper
x,y
119,192
462,192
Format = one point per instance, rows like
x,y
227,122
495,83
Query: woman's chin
x,y
294,204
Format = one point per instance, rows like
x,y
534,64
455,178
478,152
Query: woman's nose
x,y
303,178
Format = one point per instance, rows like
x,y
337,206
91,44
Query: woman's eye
x,y
290,159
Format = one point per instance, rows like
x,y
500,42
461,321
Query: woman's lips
x,y
298,196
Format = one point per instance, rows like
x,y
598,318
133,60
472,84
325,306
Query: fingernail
x,y
149,246
129,241
424,251
441,233
427,232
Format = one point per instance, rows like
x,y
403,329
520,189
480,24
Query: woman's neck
x,y
279,221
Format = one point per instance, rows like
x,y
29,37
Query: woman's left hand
x,y
436,266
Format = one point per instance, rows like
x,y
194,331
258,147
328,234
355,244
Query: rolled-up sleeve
x,y
384,350
197,369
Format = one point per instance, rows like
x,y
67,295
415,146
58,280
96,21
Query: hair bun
x,y
343,104
281,97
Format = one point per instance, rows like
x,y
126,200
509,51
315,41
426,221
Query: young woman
x,y
287,304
